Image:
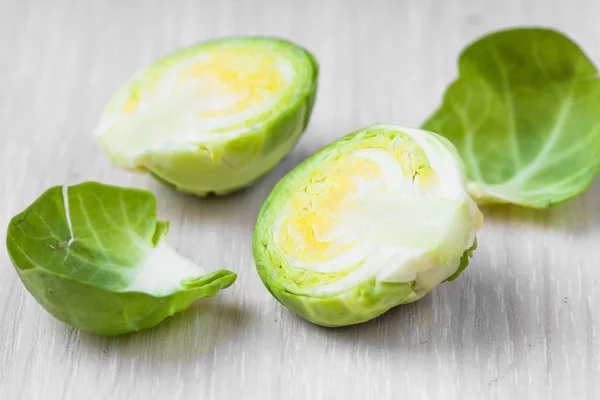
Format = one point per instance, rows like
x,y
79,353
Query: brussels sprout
x,y
94,257
373,220
524,115
214,117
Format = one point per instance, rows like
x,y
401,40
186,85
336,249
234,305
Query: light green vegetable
x,y
375,219
524,114
213,117
94,256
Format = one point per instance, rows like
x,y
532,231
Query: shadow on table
x,y
206,325
576,216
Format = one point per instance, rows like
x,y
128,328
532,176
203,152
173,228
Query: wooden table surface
x,y
522,322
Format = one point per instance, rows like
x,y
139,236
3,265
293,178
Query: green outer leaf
x,y
464,261
524,115
105,312
355,305
79,265
223,164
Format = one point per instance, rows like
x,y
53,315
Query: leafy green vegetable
x,y
524,114
375,219
94,256
213,117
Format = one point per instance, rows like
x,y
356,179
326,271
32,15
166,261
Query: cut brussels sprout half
x,y
214,117
94,256
524,114
373,220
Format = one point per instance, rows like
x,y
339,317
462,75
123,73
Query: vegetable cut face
x,y
524,115
94,256
212,117
375,219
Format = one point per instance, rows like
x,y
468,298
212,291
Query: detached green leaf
x,y
524,114
94,257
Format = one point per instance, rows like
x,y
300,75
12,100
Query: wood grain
x,y
521,323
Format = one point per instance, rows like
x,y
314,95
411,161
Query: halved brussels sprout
x,y
213,117
94,257
375,219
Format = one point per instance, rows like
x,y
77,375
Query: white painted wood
x,y
521,323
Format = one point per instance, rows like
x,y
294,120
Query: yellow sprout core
x,y
315,229
227,80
